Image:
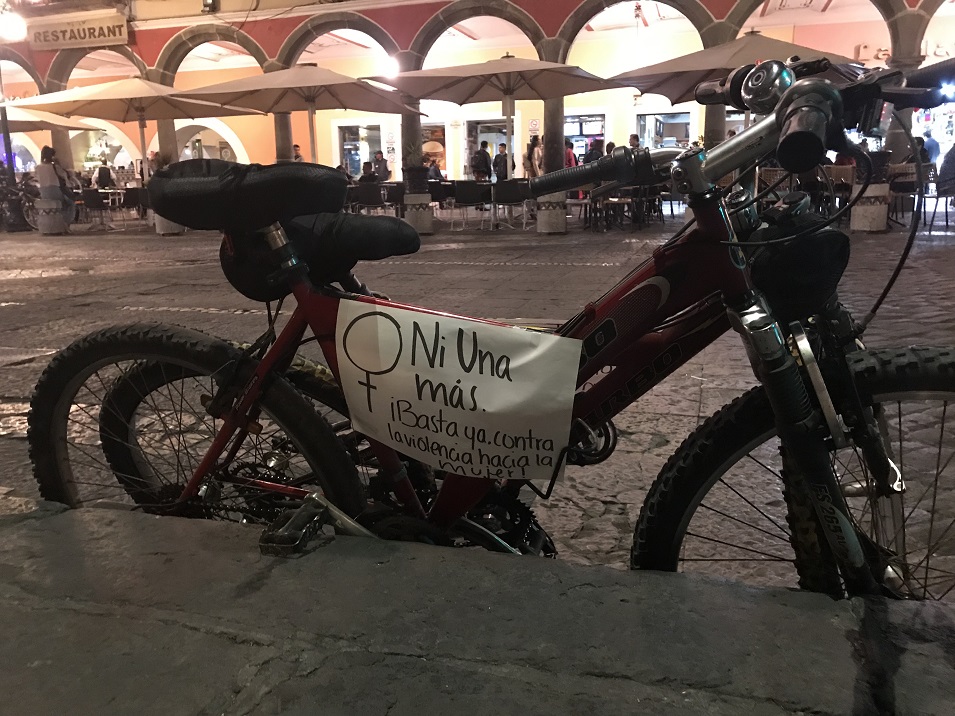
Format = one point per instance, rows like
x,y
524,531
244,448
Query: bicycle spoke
x,y
783,538
772,557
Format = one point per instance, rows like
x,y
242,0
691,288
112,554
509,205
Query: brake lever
x,y
606,188
913,97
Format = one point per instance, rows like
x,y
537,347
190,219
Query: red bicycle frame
x,y
655,319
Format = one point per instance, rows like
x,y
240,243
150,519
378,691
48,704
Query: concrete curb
x,y
107,612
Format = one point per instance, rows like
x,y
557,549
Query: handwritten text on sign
x,y
464,396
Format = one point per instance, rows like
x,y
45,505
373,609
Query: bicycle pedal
x,y
294,530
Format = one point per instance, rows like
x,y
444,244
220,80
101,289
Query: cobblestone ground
x,y
55,289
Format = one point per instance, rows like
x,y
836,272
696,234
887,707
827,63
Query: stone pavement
x,y
160,616
112,612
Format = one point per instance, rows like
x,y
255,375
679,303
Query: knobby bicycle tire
x,y
741,435
58,415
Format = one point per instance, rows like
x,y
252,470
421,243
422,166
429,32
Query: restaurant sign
x,y
78,30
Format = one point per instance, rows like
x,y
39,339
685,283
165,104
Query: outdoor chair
x,y
904,186
469,194
395,197
510,194
843,178
351,199
97,208
133,202
442,192
946,196
369,196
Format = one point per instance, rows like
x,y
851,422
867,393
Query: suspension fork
x,y
798,425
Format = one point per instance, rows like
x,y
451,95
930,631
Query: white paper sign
x,y
464,396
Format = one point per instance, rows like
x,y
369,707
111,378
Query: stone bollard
x,y
49,217
552,213
419,214
871,212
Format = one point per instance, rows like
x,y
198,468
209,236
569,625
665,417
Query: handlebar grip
x,y
623,165
802,140
941,73
711,92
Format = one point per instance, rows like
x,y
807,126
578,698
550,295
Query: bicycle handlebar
x,y
938,75
800,130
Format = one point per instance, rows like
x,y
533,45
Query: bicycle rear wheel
x,y
723,505
165,433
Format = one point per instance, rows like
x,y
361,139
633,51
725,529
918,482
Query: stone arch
x,y
930,7
187,127
117,132
316,26
694,11
745,8
906,32
461,10
66,60
15,57
181,44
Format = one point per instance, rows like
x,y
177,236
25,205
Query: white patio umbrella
x,y
21,119
677,79
127,100
303,87
507,79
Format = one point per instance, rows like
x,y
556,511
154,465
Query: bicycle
x,y
265,455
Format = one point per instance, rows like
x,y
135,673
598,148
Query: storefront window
x,y
358,145
583,129
664,130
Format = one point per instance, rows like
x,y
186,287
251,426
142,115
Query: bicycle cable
x,y
913,228
817,227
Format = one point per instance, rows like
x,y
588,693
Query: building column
x,y
283,136
169,148
714,116
63,147
410,135
552,208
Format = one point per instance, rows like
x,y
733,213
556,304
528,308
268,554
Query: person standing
x,y
501,170
532,158
931,146
634,142
105,177
481,163
570,159
381,166
596,151
55,184
297,154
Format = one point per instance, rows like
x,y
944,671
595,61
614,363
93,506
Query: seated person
x,y
349,177
434,172
368,174
104,177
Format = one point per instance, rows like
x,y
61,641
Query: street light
x,y
13,28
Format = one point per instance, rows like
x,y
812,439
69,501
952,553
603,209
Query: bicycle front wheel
x,y
723,505
74,441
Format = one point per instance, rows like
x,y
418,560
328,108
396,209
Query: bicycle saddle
x,y
214,194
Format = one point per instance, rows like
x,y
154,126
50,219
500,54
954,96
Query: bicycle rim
x,y
166,435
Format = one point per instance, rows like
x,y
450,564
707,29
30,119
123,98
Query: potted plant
x,y
165,227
